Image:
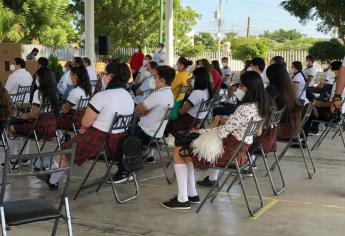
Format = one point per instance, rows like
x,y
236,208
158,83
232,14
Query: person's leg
x,y
55,177
191,180
210,179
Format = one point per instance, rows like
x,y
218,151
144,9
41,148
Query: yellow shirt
x,y
180,80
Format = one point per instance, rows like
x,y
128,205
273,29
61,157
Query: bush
x,y
55,66
247,48
191,51
328,50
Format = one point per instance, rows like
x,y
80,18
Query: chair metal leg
x,y
220,187
56,224
3,221
164,166
68,217
341,135
86,178
336,132
320,138
312,172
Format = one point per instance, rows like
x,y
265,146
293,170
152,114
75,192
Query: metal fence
x,y
65,54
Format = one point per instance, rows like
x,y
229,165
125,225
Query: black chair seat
x,y
24,211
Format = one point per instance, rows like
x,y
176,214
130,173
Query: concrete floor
x,y
308,207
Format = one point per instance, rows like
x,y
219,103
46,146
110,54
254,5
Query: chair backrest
x,y
275,118
17,98
24,89
183,89
124,122
205,106
307,114
82,105
252,129
217,99
46,107
93,83
165,118
26,171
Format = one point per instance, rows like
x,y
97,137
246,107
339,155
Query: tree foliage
x,y
247,48
282,35
9,23
207,40
330,13
328,50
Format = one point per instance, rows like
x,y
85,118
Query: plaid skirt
x,y
182,123
268,140
91,143
230,145
64,121
45,128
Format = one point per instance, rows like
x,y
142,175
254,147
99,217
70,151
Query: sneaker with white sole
x,y
121,177
194,200
175,204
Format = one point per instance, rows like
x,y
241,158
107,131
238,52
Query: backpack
x,y
132,159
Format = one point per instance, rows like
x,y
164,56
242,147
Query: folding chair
x,y
251,131
154,143
19,98
28,210
183,90
272,124
119,122
82,105
336,123
299,134
205,106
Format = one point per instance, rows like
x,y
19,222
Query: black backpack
x,y
132,159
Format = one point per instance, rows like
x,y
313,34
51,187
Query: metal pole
x,y
169,32
219,27
161,21
90,30
248,27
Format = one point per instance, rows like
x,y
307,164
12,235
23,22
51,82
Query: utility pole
x,y
219,27
169,32
161,22
248,27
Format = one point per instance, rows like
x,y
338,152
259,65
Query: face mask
x,y
104,86
175,67
136,50
250,68
145,62
224,64
192,82
64,69
239,94
12,67
325,66
37,82
158,49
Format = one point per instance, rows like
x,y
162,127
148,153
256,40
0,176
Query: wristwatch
x,y
337,97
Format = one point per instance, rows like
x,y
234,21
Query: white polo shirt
x,y
20,77
157,104
299,80
195,99
310,71
74,97
36,99
329,76
109,102
92,73
159,57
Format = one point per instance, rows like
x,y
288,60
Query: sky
x,y
265,15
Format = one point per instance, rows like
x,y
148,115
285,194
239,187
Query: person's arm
x,y
309,78
141,109
149,103
340,85
33,114
88,119
138,92
66,107
10,85
186,106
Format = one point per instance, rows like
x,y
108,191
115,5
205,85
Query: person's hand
x,y
82,130
336,105
24,116
194,131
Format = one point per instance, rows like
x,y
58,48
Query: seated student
x,y
5,106
310,73
326,84
258,65
181,78
202,90
82,89
253,105
46,126
215,77
152,111
323,106
148,83
97,120
142,74
299,81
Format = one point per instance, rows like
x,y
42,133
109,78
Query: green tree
x,y
247,48
8,25
191,51
328,50
207,40
282,35
330,13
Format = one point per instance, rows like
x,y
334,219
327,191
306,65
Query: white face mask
x,y
175,67
250,68
239,93
192,82
224,64
324,66
104,86
37,82
145,62
12,67
64,69
136,50
158,49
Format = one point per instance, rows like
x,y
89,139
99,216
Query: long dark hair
x,y
47,88
280,79
255,92
299,67
216,66
184,62
5,104
83,79
120,74
202,80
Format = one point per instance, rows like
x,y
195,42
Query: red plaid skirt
x,y
91,142
64,121
229,144
268,141
45,128
182,123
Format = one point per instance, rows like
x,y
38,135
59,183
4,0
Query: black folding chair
x,y
119,122
18,99
82,105
156,144
272,124
29,210
251,131
299,135
183,90
205,107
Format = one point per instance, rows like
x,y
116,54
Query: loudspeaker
x,y
104,45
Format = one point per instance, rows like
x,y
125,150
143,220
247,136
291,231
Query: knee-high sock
x,y
191,180
55,177
12,145
26,149
213,174
181,177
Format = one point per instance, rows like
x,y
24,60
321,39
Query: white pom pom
x,y
208,147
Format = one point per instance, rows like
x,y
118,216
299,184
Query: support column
x,y
169,32
90,30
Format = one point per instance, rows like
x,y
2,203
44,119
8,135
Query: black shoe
x,y
13,164
150,160
52,186
206,182
194,200
314,133
175,204
120,177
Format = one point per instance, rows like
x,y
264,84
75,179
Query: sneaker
x,y
206,182
175,204
120,177
13,164
194,200
52,186
150,160
314,133
247,173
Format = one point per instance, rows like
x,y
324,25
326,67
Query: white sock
x,y
55,177
181,171
12,145
191,180
26,149
213,175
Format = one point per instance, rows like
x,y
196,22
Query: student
x,y
337,99
19,77
151,113
299,81
32,55
82,89
136,60
258,65
181,77
5,106
216,78
143,73
148,84
90,70
97,120
159,55
202,91
253,106
310,73
42,62
226,73
62,84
